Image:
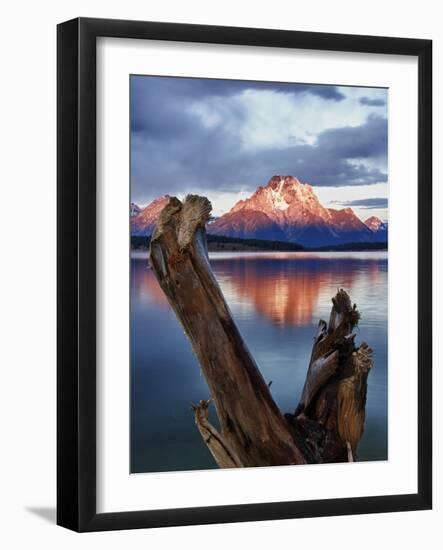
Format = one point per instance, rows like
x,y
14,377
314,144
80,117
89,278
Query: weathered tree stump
x,y
329,420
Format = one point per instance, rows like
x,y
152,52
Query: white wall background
x,y
27,274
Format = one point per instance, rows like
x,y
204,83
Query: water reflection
x,y
144,284
276,300
286,291
283,287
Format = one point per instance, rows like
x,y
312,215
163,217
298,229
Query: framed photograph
x,y
244,274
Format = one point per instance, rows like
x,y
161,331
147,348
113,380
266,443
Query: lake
x,y
277,299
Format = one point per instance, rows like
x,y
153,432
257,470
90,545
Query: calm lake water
x,y
277,300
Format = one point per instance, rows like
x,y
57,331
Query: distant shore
x,y
217,243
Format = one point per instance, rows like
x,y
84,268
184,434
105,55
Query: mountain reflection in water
x,y
277,300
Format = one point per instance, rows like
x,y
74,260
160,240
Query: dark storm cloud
x,y
172,151
372,102
369,140
368,203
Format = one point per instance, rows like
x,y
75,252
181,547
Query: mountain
x,y
247,224
134,210
286,209
378,228
143,223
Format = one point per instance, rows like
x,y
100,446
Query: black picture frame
x,y
76,280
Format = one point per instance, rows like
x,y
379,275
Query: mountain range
x,y
283,210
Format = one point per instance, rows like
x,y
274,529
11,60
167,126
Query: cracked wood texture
x,y
329,420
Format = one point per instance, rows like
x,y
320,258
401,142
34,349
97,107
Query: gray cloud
x,y
173,152
369,203
155,101
372,102
365,141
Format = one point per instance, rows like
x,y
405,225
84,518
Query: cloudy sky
x,y
224,138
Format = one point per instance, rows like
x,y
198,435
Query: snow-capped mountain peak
x,y
283,197
375,224
134,210
285,208
144,222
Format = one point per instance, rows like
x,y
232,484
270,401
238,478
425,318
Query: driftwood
x,y
329,420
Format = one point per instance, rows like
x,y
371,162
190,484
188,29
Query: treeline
x,y
228,244
218,243
351,247
140,243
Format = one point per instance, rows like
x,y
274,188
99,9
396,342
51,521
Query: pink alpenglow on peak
x,y
144,222
374,223
283,194
379,229
287,209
